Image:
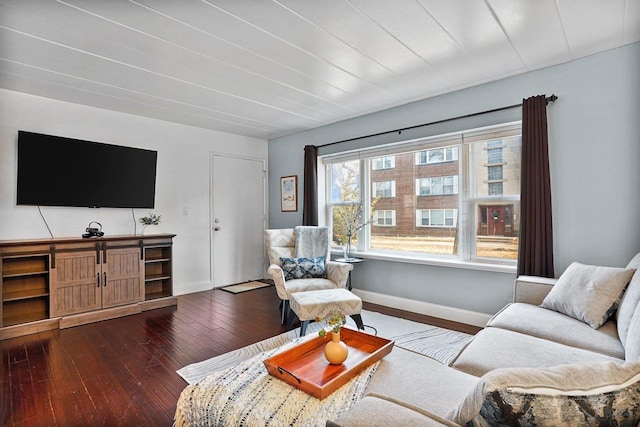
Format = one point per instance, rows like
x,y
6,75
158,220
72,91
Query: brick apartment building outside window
x,y
452,196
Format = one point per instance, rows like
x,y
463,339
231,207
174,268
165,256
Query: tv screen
x,y
57,171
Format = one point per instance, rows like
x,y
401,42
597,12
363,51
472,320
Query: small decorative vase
x,y
349,250
336,351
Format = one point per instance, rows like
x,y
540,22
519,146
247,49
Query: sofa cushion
x,y
629,302
303,268
550,325
588,293
418,380
601,393
375,410
632,349
494,348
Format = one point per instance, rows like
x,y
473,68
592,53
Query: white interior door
x,y
238,220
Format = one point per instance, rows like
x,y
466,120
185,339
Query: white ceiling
x,y
268,68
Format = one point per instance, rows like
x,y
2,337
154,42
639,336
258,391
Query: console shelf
x,y
54,283
157,269
25,288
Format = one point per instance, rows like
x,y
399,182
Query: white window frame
x,y
453,215
392,185
387,214
427,161
384,159
465,217
430,182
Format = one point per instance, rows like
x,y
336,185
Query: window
x,y
437,186
343,195
495,197
384,189
438,155
495,173
454,196
345,182
384,218
494,152
386,162
436,217
495,188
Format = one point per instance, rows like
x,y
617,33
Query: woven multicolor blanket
x,y
246,395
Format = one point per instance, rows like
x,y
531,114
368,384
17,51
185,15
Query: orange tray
x,y
306,368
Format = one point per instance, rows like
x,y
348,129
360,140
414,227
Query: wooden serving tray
x,y
306,368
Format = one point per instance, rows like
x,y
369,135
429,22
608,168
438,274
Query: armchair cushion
x,y
588,293
280,244
303,268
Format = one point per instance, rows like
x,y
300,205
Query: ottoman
x,y
309,305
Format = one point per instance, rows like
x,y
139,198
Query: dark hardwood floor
x,y
123,371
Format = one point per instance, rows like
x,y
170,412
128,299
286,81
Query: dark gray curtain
x,y
535,251
310,197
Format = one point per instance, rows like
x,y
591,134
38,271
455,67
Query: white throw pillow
x,y
588,293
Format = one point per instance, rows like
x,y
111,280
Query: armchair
x,y
281,243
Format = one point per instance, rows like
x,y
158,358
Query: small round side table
x,y
354,261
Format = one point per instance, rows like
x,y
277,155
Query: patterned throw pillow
x,y
303,268
581,394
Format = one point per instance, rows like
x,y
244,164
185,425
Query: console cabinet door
x,y
123,277
75,283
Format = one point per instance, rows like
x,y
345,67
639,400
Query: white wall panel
x,y
182,176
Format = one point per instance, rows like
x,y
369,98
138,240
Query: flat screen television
x,y
57,171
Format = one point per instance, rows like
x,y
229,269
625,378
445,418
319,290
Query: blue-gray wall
x,y
594,138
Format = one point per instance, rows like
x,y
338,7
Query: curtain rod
x,y
549,99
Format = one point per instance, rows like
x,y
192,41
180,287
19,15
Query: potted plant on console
x,y
151,219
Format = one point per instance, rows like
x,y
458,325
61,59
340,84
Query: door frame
x,y
265,197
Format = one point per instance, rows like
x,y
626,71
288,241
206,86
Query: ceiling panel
x,y
593,24
267,68
168,58
110,72
536,32
214,20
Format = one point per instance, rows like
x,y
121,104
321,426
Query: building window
x,y
494,172
495,188
437,186
494,155
455,195
381,163
436,217
384,189
439,155
384,218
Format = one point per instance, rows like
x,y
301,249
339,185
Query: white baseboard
x,y
189,288
435,310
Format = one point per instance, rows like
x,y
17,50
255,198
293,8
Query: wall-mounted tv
x,y
57,171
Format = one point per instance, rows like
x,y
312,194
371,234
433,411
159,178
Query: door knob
x,y
216,228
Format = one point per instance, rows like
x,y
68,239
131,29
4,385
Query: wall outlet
x,y
186,210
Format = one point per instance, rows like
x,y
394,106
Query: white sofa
x,y
530,365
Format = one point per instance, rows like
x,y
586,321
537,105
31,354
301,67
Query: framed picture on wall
x,y
289,193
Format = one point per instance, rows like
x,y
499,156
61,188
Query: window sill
x,y
439,262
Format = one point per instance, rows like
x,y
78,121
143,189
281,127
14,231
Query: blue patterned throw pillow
x,y
303,268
